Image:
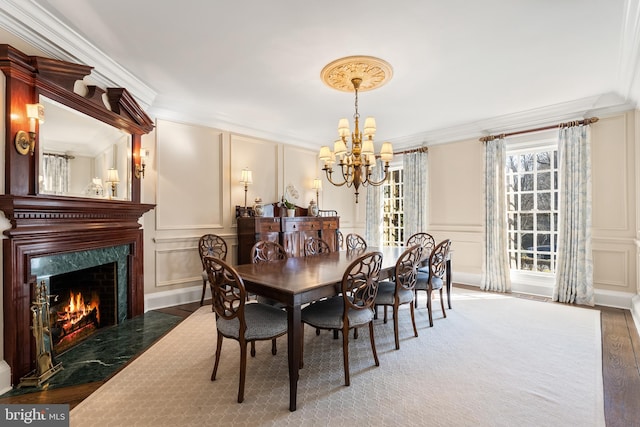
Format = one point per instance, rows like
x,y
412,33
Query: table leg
x,y
294,337
449,282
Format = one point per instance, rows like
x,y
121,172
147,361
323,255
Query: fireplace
x,y
52,236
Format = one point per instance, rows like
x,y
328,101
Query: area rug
x,y
496,360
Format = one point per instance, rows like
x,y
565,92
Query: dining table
x,y
297,281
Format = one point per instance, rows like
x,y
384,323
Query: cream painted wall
x,y
456,204
193,176
614,203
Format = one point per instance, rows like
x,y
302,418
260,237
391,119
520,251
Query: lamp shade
x,y
343,127
112,175
370,127
386,152
317,184
339,147
246,177
325,153
367,147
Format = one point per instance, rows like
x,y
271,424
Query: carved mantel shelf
x,y
32,215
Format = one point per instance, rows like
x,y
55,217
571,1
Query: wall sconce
x,y
246,179
26,142
113,179
141,163
317,185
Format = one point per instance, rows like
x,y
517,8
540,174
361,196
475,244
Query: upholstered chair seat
x,y
328,314
386,292
263,322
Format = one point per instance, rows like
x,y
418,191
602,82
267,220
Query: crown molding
x,y
603,105
35,25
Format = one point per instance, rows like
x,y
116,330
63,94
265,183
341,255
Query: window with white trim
x,y
532,207
393,207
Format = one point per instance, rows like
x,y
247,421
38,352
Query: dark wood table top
x,y
304,279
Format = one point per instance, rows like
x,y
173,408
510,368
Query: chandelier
x,y
356,164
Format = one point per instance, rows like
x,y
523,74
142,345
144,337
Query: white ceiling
x,y
461,68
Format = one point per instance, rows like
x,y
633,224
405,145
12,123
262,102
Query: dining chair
x,y
340,239
352,309
355,242
261,252
434,278
267,251
210,245
427,241
401,289
315,246
237,319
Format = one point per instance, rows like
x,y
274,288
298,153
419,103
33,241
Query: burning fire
x,y
78,309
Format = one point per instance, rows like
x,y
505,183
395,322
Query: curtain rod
x,y
586,121
65,156
412,150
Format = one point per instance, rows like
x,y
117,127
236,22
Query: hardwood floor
x,y
620,368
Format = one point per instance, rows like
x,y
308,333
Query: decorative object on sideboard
x,y
313,208
26,142
357,73
246,178
290,193
113,179
258,207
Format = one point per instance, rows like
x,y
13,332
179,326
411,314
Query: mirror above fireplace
x,y
76,153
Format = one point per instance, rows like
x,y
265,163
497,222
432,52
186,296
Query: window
x,y
532,208
393,205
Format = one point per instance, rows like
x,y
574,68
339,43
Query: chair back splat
x,y
267,251
210,245
315,246
434,276
426,240
355,242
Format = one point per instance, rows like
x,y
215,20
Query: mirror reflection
x,y
81,156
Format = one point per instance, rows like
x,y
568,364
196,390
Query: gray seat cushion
x,y
263,322
327,314
421,281
386,291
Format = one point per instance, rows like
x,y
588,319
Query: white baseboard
x,y
164,299
5,377
603,297
635,311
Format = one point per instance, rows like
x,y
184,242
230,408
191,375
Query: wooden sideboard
x,y
290,232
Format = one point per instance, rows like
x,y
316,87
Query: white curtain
x,y
373,229
574,269
415,185
55,173
495,266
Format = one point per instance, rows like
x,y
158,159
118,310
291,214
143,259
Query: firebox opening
x,y
82,302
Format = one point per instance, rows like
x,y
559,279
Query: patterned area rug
x,y
496,360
